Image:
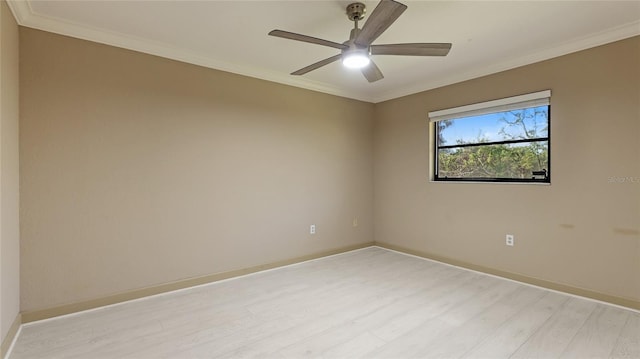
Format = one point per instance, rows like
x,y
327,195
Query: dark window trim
x,y
547,179
478,144
490,179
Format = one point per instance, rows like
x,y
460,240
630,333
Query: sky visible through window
x,y
509,125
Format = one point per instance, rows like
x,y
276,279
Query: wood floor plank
x,y
554,336
291,310
414,340
433,305
356,347
383,310
326,310
122,324
628,344
599,334
467,334
368,298
366,303
506,339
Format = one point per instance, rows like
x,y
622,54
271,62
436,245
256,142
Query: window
x,y
505,140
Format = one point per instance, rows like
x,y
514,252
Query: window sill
x,y
493,182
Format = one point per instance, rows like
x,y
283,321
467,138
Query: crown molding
x,y
611,35
25,16
21,9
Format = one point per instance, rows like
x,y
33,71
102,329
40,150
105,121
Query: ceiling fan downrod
x,y
355,12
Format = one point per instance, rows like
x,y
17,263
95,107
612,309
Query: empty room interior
x,y
210,179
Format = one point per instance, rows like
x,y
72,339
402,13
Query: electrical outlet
x,y
355,222
312,229
509,240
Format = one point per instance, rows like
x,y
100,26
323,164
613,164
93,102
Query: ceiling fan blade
x,y
380,19
419,49
305,38
372,72
317,65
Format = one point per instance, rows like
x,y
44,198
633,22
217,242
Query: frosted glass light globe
x,y
355,60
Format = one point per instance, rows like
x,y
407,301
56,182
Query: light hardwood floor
x,y
370,303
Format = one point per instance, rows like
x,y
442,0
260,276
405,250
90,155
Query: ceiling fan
x,y
357,51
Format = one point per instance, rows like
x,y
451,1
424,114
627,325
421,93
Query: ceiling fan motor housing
x,y
355,11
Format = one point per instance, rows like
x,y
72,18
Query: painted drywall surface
x,y
582,230
138,171
9,202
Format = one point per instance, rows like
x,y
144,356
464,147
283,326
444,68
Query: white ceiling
x,y
487,36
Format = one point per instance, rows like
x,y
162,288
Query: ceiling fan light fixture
x,y
355,59
357,50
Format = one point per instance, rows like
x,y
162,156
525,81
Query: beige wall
x,y
138,170
9,227
582,230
